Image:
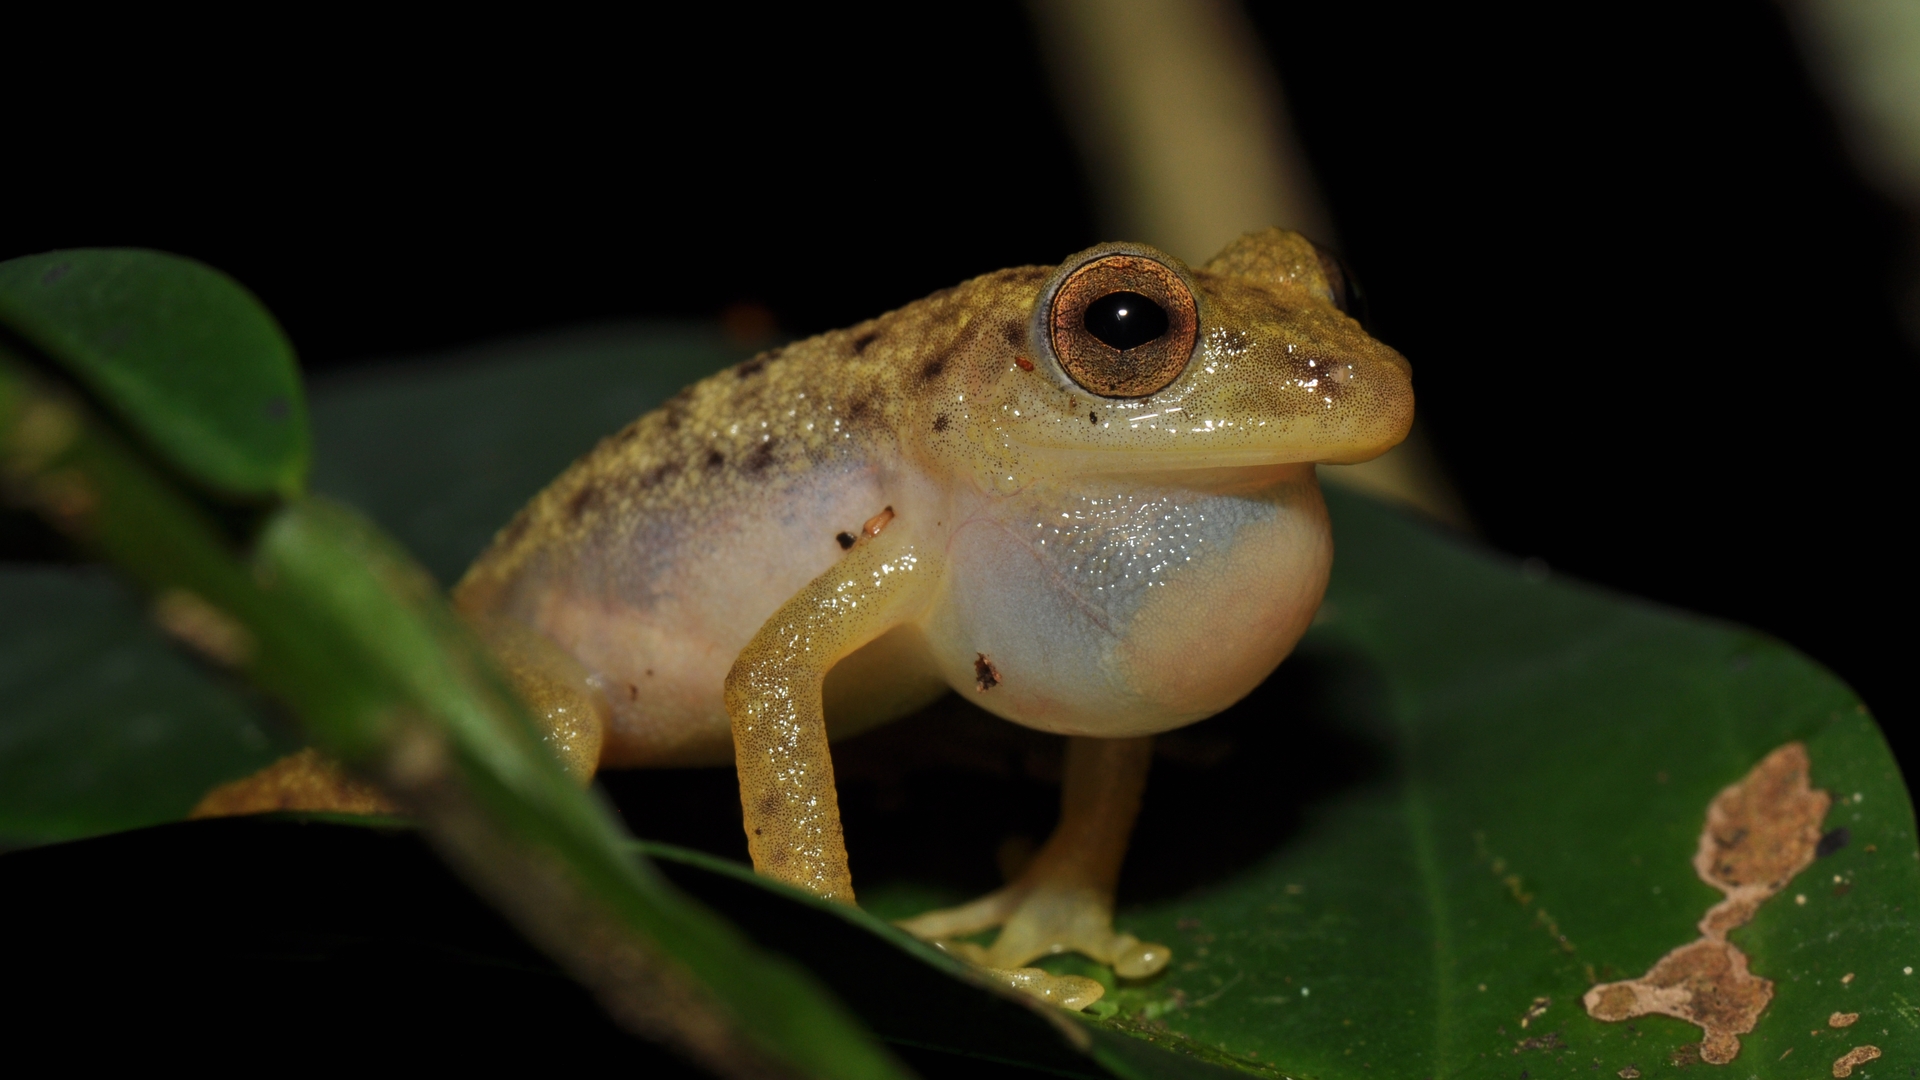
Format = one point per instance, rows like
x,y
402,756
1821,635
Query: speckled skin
x,y
1092,566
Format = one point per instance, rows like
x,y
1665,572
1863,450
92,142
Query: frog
x,y
1082,496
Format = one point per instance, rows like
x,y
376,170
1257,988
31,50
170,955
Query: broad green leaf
x,y
181,353
1462,766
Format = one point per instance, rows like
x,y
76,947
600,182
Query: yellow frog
x,y
1083,496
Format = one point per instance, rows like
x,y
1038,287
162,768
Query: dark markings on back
x,y
845,540
933,369
583,501
861,341
860,407
632,431
1016,333
755,366
940,422
759,457
659,473
715,459
673,412
515,529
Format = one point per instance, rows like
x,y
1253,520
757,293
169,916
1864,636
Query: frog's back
x,y
655,557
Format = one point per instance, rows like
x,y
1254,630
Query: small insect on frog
x,y
1083,496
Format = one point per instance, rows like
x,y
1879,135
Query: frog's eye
x,y
1123,325
1344,286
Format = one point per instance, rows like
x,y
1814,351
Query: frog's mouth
x,y
1166,441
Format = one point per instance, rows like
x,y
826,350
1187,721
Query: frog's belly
x,y
1118,614
659,614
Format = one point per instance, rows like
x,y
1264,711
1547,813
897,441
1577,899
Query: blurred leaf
x,y
338,623
1464,765
180,353
104,724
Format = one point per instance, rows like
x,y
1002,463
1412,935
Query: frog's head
x,y
1252,359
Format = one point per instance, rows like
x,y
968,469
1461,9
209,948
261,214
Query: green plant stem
x,y
337,622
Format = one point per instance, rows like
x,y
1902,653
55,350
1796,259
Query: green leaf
x,y
1463,765
105,725
343,627
180,353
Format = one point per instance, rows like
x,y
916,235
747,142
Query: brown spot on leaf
x,y
1759,833
1550,1041
1841,1019
1628,1073
1684,1055
984,673
1859,1055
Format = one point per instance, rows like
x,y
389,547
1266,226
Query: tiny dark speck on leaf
x,y
1833,842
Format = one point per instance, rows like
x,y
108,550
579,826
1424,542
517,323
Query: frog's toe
x,y
1050,921
985,913
1035,921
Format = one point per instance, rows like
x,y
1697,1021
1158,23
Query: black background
x,y
1646,297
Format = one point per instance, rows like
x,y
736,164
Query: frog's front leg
x,y
773,694
1063,900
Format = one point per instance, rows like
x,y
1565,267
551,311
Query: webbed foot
x,y
1063,901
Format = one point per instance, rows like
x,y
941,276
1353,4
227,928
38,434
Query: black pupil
x,y
1125,320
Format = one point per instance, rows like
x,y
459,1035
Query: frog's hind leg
x,y
1063,900
569,710
562,697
